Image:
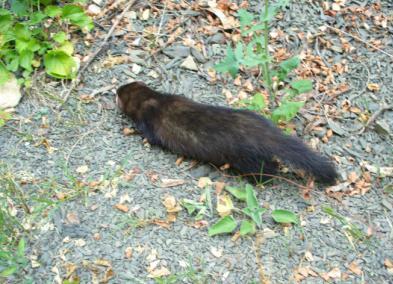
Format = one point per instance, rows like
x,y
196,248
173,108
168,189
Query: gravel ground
x,y
89,237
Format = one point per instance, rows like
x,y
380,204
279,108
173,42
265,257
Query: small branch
x,y
374,116
78,78
359,39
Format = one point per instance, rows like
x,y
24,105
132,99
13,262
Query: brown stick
x,y
78,78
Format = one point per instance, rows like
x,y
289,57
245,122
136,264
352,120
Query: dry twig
x,y
375,115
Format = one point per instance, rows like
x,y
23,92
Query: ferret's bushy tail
x,y
294,152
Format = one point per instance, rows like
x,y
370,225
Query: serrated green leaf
x,y
59,64
5,75
238,192
53,11
245,17
13,64
286,111
225,225
239,51
22,32
247,227
25,59
8,271
77,16
229,64
302,86
20,7
36,18
285,216
60,37
5,22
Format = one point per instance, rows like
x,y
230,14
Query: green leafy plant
x,y
284,216
252,51
34,34
226,224
4,116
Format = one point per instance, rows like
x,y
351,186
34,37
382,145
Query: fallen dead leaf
x,y
122,207
373,87
159,272
203,182
224,205
82,169
171,205
168,182
72,218
355,268
128,252
217,252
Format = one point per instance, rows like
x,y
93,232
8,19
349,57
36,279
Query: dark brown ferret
x,y
219,135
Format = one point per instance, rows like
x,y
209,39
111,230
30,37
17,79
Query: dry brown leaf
x,y
354,267
373,87
82,169
128,252
159,272
203,182
219,186
162,223
352,177
388,263
168,182
200,224
224,205
335,273
72,218
179,161
171,205
122,207
217,252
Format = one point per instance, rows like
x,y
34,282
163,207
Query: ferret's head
x,y
131,97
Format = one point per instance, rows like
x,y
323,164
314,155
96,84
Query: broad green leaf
x,y
22,32
13,64
229,64
238,192
5,75
25,59
20,7
4,116
247,227
286,111
5,22
285,216
290,64
60,37
226,224
77,16
191,205
67,47
8,271
302,86
21,247
59,64
53,11
36,18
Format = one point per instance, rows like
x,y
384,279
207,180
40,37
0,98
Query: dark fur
x,y
245,140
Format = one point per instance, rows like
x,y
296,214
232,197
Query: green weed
x,y
252,51
35,33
